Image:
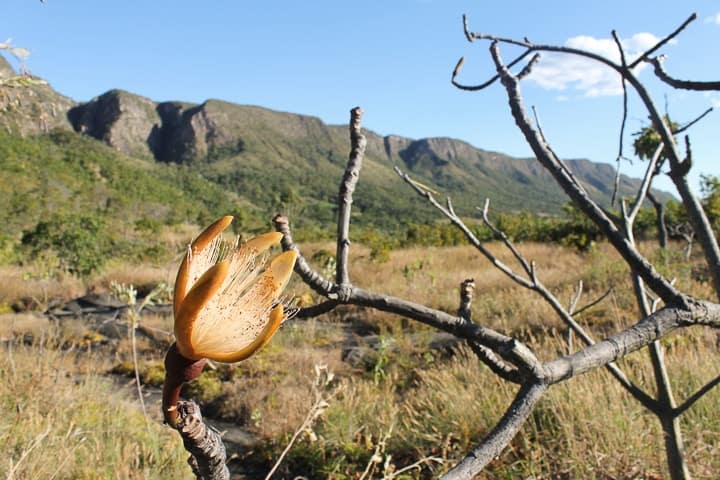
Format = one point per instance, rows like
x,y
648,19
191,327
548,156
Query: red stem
x,y
178,370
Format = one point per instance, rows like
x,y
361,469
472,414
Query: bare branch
x,y
594,302
635,337
532,284
662,42
496,365
493,79
508,348
207,452
696,396
575,299
312,278
484,354
636,261
673,82
501,435
678,174
506,241
693,122
423,192
645,185
316,310
347,187
528,68
624,119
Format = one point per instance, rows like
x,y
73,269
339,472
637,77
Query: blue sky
x,y
393,58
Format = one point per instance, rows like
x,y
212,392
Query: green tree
x,y
710,186
81,242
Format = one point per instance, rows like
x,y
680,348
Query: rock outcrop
x,y
125,121
31,106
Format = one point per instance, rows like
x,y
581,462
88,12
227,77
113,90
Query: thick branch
x,y
507,347
207,452
500,436
635,337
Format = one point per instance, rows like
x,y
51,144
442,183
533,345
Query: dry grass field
x,y
66,416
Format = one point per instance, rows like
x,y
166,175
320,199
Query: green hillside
x,y
66,175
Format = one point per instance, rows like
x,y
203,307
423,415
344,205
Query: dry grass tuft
x,y
62,420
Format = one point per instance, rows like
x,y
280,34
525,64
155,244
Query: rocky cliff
x,y
29,105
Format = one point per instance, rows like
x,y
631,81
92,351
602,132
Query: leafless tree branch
x,y
636,261
501,435
207,452
663,41
690,401
493,79
673,82
693,122
347,187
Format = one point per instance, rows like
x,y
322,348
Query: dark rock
x,y
122,120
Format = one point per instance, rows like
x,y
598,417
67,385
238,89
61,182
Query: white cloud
x,y
713,19
560,71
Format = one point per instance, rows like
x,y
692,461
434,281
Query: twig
x,y
690,401
474,88
413,466
693,122
662,42
624,119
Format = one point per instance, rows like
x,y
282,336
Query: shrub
x,y
80,241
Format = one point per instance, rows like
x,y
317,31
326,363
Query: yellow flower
x,y
227,300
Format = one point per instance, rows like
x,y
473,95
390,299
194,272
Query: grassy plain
x,y
404,403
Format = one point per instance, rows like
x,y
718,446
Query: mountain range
x,y
266,160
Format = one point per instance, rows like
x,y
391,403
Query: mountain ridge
x,y
277,159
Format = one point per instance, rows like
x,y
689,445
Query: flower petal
x,y
274,321
196,299
281,269
199,244
262,242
